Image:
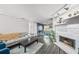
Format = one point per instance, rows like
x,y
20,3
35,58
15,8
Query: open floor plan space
x,y
39,28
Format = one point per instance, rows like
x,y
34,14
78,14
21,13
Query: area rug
x,y
32,49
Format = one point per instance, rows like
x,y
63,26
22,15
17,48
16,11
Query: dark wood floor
x,y
50,49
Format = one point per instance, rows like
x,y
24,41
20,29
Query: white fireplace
x,y
69,42
70,33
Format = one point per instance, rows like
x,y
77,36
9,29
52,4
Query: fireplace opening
x,y
67,41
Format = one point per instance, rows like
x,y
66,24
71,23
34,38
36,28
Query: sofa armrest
x,y
2,45
5,51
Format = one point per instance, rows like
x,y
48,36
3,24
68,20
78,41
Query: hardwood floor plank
x,y
49,49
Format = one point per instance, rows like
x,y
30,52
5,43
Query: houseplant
x,y
52,36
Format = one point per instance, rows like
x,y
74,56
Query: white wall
x,y
11,24
73,28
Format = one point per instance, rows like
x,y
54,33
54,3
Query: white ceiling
x,y
34,12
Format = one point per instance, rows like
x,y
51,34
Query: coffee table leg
x,y
24,49
37,41
19,46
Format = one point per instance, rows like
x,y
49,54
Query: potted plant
x,y
52,36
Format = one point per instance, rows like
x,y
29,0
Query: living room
x,y
39,28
